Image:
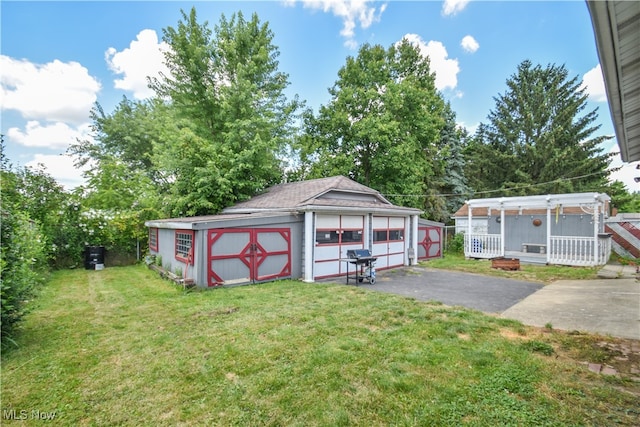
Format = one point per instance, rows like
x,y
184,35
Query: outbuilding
x,y
564,229
294,230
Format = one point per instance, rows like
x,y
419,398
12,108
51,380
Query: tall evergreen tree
x,y
452,187
539,138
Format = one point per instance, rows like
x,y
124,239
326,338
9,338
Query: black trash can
x,y
94,257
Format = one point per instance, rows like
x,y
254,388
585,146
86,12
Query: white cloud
x,y
61,168
144,57
446,69
352,12
53,136
594,83
626,173
469,44
452,7
471,129
55,91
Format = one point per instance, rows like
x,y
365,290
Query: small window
x,y
396,235
351,236
153,239
380,235
184,243
325,237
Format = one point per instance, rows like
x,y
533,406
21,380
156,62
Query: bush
x,y
23,263
456,244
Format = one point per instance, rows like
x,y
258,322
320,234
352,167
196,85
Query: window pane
x,y
326,236
183,244
153,239
380,236
396,234
349,236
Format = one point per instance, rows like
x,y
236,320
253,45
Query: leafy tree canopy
x,y
382,125
233,121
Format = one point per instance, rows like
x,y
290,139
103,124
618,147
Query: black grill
x,y
364,265
360,256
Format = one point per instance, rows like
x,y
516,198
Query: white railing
x,y
578,251
563,250
482,245
604,249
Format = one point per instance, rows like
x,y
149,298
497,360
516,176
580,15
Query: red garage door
x,y
248,255
429,242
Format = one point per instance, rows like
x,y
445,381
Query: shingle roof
x,y
297,194
337,193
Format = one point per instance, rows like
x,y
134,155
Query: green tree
x,y
539,138
452,187
42,198
124,187
127,136
382,125
23,255
622,199
233,120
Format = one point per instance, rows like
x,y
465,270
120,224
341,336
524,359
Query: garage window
x,y
184,244
327,237
396,235
335,237
380,236
351,236
153,239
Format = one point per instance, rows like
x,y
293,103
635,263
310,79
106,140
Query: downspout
x,y
189,260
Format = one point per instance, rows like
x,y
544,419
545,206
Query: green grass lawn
x,y
529,272
123,347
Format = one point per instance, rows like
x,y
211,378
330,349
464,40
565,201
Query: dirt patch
x,y
512,335
618,357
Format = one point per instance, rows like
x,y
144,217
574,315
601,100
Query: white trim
x,y
549,200
309,240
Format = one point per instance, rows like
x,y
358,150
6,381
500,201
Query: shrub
x,y
23,263
456,244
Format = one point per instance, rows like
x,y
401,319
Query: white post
x,y
596,229
366,233
502,239
467,249
548,251
309,240
414,237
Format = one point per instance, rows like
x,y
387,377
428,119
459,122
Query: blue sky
x,y
58,58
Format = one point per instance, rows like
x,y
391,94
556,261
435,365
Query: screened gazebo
x,y
564,229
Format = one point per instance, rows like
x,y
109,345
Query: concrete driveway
x,y
604,306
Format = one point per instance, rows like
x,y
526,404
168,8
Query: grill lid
x,y
359,253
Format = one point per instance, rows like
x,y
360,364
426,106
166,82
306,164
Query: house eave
x,y
361,210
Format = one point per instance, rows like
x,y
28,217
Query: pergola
x,y
570,250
